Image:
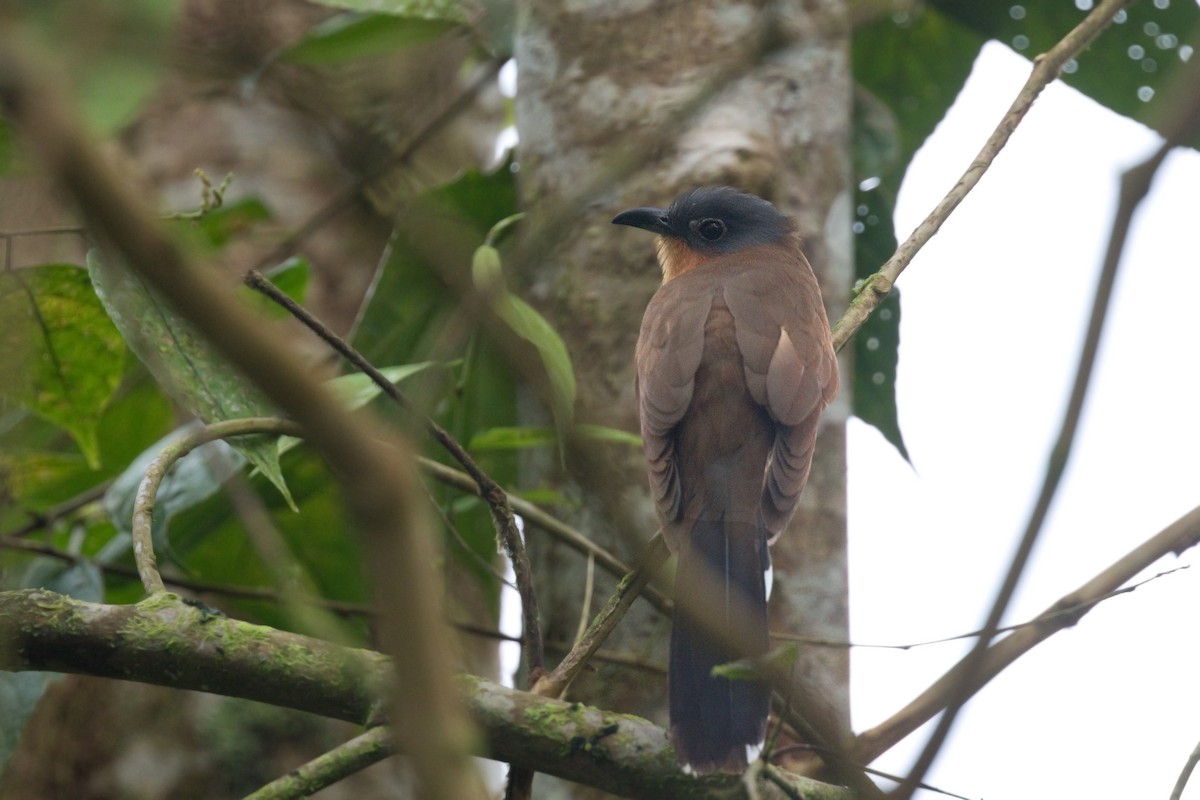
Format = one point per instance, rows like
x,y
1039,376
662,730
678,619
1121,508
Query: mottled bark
x,y
624,104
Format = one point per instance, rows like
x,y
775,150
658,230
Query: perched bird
x,y
734,366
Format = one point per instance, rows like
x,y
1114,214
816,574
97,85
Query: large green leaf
x,y
1126,68
184,363
900,99
60,356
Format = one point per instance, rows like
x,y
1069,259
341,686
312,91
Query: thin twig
x,y
1177,537
327,769
493,495
1046,69
538,518
553,684
44,519
1071,611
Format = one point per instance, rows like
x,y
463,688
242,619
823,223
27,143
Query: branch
x,y
1046,68
328,768
1135,184
169,643
1181,535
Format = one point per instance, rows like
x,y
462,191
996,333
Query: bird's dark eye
x,y
709,228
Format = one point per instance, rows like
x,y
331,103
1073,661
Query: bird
x,y
735,364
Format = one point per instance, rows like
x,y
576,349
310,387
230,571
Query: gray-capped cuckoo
x,y
734,367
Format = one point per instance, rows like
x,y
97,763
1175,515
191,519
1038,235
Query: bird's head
x,y
707,223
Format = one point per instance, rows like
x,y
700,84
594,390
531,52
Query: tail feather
x,y
720,616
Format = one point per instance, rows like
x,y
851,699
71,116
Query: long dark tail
x,y
720,616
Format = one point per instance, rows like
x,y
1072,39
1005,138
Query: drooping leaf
x,y
60,355
352,36
184,363
899,101
877,344
526,322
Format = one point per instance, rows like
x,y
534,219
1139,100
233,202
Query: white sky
x,y
994,310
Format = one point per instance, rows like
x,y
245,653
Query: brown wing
x,y
790,365
669,348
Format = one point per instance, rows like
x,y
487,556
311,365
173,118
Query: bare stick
x,y
1186,774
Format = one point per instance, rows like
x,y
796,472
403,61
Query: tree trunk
x,y
628,104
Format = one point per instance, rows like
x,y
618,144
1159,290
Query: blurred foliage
x,y
116,53
75,412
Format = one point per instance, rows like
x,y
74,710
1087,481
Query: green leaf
x,y
222,224
356,390
877,344
449,10
519,438
184,363
513,438
900,99
744,669
351,36
603,433
60,355
531,326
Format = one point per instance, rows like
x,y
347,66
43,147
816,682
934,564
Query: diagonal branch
x,y
1182,125
1180,535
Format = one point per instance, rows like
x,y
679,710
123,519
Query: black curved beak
x,y
654,220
